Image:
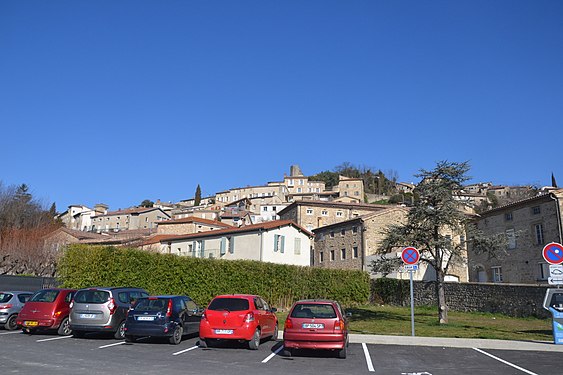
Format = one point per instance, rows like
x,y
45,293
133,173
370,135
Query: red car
x,y
241,317
47,309
316,324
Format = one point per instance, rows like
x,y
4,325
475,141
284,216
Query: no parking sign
x,y
553,253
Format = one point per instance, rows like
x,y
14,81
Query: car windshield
x,y
229,304
91,296
5,297
47,295
313,310
154,305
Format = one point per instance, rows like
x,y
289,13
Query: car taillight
x,y
112,306
288,324
339,325
8,306
57,314
249,317
169,310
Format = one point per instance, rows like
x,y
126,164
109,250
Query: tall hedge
x,y
85,266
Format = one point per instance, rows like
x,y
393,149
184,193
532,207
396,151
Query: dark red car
x,y
241,317
47,309
316,324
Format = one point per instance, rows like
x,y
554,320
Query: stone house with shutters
x,y
528,225
129,219
282,242
349,244
189,225
311,214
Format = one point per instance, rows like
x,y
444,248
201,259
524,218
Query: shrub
x,y
83,266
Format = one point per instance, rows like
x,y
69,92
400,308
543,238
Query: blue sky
x,y
119,101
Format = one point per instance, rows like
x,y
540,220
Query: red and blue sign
x,y
553,253
410,255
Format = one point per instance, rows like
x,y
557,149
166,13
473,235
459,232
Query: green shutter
x,y
276,239
223,246
282,244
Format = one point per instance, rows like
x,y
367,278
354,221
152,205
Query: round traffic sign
x,y
410,255
553,253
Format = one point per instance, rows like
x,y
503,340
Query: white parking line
x,y
272,355
368,358
186,350
107,346
10,333
505,362
55,338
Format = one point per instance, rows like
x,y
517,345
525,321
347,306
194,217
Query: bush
x,y
390,291
83,266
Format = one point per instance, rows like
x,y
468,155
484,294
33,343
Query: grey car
x,y
102,309
11,304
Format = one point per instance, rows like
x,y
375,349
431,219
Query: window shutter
x,y
203,249
223,246
232,245
276,239
282,244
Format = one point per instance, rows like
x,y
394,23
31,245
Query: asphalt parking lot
x,y
101,354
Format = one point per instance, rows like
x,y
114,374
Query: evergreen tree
x,y
197,200
436,219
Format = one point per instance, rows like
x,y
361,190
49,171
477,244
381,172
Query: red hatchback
x,y
241,317
316,324
47,309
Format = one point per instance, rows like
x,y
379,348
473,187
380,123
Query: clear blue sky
x,y
119,101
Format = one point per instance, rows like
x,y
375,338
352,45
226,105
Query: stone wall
x,y
509,299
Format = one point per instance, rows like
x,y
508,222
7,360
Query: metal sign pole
x,y
412,305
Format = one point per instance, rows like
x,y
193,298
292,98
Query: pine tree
x,y
197,199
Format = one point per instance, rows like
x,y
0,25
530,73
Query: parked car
x,y
239,317
102,309
11,304
47,309
163,316
316,324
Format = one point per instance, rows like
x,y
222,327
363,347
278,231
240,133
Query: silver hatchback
x,y
11,304
102,310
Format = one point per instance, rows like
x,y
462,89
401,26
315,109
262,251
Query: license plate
x,y
30,323
223,331
148,318
87,316
313,325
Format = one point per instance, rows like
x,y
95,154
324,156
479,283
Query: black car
x,y
163,316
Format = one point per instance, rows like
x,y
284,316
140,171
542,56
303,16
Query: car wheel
x,y
202,343
130,338
276,333
287,352
120,333
342,353
176,335
78,334
11,324
64,328
254,343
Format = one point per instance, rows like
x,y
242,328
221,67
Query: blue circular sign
x,y
410,255
553,253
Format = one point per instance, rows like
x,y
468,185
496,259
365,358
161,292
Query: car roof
x,y
324,301
59,289
111,288
236,296
166,296
16,291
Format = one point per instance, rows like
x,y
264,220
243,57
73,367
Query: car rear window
x,y
229,304
154,305
91,296
5,297
47,295
313,310
24,297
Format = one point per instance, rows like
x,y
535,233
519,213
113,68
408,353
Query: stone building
x,y
348,244
528,225
189,225
129,219
312,214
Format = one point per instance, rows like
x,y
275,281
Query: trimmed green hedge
x,y
390,291
84,266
